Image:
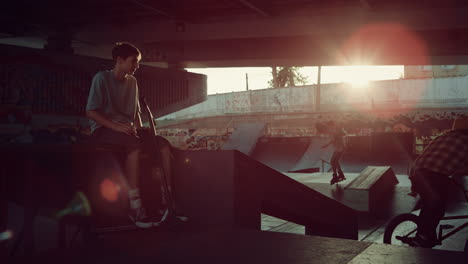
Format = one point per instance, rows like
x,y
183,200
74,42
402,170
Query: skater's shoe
x,y
334,180
341,176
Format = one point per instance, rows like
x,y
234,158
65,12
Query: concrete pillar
x,y
317,89
274,72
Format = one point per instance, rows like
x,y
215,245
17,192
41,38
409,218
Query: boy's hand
x,y
125,128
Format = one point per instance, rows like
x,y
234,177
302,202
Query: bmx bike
x,y
399,230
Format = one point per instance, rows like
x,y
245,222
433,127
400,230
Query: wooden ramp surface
x,y
370,176
370,189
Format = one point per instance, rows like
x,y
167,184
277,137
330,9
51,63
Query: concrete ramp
x,y
315,156
294,154
281,154
244,137
366,191
230,189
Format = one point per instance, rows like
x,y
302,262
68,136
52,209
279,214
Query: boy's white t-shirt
x,y
116,100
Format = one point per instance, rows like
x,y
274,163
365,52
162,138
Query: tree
x,y
286,77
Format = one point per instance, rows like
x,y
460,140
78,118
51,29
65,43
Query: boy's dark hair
x,y
125,50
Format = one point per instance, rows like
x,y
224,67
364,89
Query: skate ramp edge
x,y
244,138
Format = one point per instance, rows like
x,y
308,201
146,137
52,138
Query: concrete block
x,y
371,186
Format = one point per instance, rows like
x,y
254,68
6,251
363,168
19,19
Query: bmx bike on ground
x,y
399,230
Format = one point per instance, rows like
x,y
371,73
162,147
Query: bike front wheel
x,y
399,228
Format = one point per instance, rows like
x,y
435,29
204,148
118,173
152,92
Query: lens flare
x,y
6,235
109,190
79,205
392,43
388,42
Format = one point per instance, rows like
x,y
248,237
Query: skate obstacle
x,y
228,189
244,138
366,191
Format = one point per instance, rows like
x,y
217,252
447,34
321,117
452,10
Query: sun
x,y
359,81
357,76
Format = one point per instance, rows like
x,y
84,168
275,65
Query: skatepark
x,y
241,195
239,173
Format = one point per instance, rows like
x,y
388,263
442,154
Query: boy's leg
x,y
132,168
333,163
432,188
133,148
338,166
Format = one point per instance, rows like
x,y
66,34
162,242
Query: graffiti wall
x,y
424,124
294,99
424,107
387,95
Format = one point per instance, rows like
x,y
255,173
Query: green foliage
x,y
288,77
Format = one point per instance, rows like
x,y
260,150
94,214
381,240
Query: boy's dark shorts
x,y
108,136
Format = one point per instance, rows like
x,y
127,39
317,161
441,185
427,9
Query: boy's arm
x,y
138,120
103,121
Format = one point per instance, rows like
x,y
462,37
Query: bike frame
x,y
449,234
441,237
164,179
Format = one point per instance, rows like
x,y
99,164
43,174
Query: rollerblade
x,y
335,179
341,176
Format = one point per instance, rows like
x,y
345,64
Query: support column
x,y
317,89
275,76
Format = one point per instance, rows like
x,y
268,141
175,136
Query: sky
x,y
226,80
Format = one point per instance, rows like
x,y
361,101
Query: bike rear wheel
x,y
404,225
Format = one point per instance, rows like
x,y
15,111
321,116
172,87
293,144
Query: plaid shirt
x,y
446,154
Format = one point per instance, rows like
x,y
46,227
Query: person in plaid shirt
x,y
445,156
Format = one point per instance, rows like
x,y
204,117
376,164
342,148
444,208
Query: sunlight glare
x,y
109,190
357,76
6,235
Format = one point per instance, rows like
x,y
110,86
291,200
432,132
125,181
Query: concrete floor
x,y
372,226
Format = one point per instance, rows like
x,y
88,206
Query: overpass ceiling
x,y
222,33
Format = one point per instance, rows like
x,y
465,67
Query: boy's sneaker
x,y
140,219
166,218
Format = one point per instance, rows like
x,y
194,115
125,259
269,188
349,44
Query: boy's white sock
x,y
134,197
